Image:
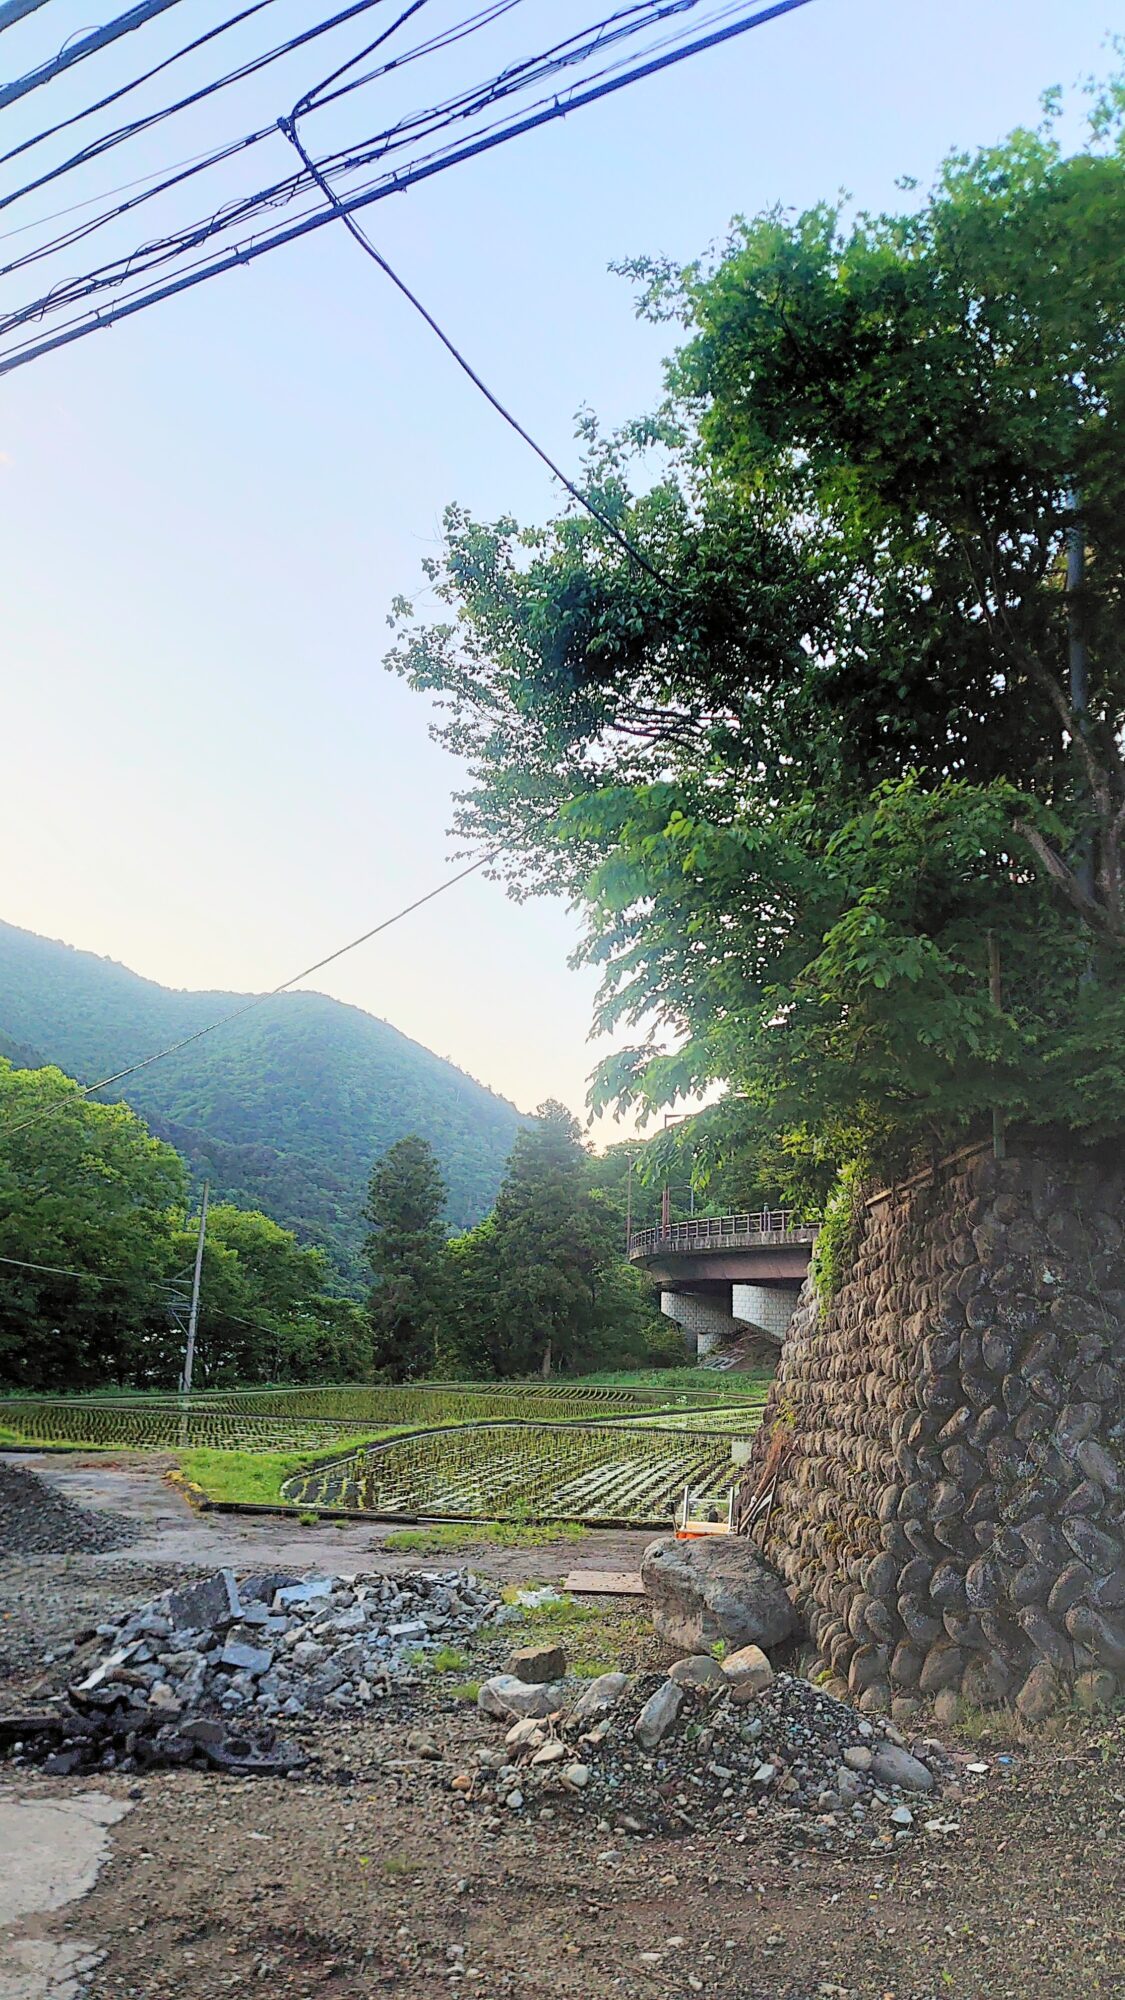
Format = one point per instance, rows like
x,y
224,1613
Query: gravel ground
x,y
36,1521
369,1873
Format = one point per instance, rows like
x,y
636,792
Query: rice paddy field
x,y
516,1451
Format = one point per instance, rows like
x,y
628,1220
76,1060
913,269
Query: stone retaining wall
x,y
951,1518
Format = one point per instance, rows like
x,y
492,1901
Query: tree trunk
x,y
546,1366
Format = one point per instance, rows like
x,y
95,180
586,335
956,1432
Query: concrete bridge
x,y
724,1276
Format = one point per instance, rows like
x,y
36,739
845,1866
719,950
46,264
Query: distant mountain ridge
x,y
284,1110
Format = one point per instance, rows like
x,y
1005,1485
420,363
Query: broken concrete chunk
x,y
747,1672
658,1715
505,1696
207,1606
601,1695
538,1663
244,1659
292,1594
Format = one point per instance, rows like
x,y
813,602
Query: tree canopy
x,y
406,1251
542,1286
95,1242
842,784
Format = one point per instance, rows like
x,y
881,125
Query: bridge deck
x,y
759,1229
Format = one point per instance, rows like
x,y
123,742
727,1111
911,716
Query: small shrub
x,y
835,1246
308,1520
448,1660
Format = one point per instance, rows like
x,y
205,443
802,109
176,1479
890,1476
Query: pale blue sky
x,y
205,512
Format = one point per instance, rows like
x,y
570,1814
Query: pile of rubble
x,y
713,1746
200,1672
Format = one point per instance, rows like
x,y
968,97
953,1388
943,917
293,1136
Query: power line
x,y
75,52
558,106
16,10
259,1000
134,83
466,104
109,140
170,177
365,243
87,1277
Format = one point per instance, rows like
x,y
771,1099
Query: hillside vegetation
x,y
284,1110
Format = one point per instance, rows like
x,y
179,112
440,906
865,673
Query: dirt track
x,y
376,1876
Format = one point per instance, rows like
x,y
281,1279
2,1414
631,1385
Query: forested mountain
x,y
284,1110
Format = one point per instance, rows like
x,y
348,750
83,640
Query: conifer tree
x,y
406,1250
549,1241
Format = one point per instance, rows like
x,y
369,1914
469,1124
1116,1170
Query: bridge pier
x,y
768,1308
705,1324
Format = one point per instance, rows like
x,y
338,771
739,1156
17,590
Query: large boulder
x,y
719,1587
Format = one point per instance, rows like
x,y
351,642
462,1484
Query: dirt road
x,y
375,1876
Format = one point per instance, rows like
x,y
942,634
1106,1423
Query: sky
x,y
206,511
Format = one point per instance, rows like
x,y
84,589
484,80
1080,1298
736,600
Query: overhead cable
x,y
108,140
86,45
135,82
87,1277
12,11
377,257
557,107
259,1000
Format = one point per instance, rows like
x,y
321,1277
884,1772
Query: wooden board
x,y
605,1583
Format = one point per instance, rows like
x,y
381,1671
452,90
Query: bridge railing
x,y
712,1232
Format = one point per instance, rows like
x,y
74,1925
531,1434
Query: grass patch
x,y
256,1476
441,1535
448,1660
610,1637
465,1691
397,1865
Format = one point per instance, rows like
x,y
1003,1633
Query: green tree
x,y
83,1188
537,1269
406,1251
259,1296
858,724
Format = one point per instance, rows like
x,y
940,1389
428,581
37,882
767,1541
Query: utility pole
x,y
996,995
193,1317
629,1206
1079,660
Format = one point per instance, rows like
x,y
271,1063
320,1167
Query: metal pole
x,y
996,995
193,1317
1079,661
629,1207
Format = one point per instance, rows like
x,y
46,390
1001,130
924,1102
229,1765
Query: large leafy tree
x,y
843,780
84,1189
260,1292
406,1250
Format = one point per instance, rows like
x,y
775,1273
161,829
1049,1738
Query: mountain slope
x,y
284,1110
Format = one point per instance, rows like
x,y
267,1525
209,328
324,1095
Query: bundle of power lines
x,y
144,252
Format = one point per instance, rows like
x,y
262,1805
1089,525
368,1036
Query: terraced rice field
x,y
152,1426
514,1450
572,1472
